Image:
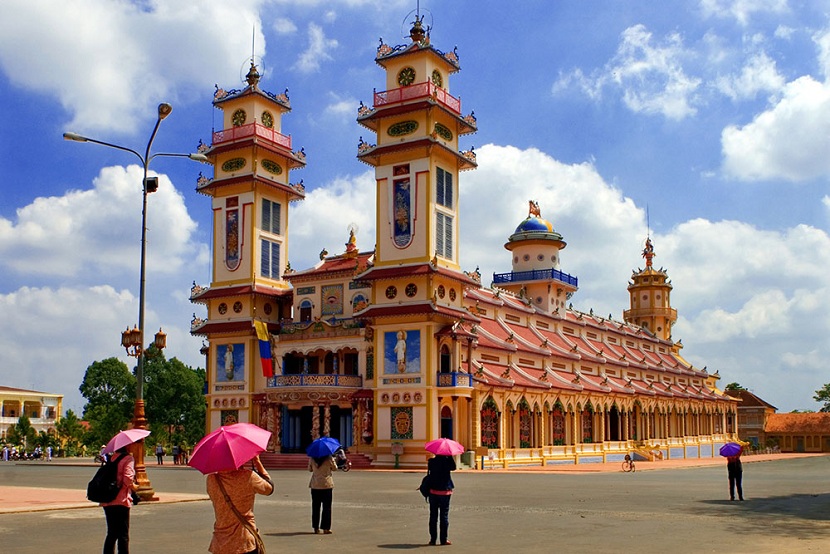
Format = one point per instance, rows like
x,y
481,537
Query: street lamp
x,y
134,339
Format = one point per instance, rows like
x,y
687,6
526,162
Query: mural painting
x,y
230,362
402,352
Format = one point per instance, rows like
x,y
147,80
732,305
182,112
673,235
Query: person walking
x,y
233,493
321,486
735,470
117,512
440,492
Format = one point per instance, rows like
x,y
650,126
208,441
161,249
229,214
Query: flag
x,y
264,348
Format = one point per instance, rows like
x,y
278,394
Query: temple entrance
x,y
298,424
614,424
446,423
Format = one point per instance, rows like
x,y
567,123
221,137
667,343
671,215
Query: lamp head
x,y
74,136
164,110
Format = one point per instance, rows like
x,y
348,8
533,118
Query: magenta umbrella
x,y
444,447
124,438
229,447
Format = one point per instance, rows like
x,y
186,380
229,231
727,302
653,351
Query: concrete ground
x,y
672,505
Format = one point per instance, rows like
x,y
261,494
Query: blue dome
x,y
535,224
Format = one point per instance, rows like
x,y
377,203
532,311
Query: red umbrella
x,y
229,447
444,447
124,438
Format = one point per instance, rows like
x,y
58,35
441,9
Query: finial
x,y
533,208
648,252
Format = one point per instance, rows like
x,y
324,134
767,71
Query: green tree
x,y
22,432
823,396
109,388
174,399
70,433
734,386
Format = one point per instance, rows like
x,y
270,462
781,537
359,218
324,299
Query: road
x,y
598,510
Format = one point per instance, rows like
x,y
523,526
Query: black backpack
x,y
104,485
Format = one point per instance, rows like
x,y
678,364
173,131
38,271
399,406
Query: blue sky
x,y
705,121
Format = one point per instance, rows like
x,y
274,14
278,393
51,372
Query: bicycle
x,y
628,464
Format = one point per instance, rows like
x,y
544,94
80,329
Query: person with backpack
x,y
117,512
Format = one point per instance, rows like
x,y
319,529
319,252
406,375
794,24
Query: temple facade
x,y
389,348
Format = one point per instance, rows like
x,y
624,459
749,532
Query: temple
x,y
388,348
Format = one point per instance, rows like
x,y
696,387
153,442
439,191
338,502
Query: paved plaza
x,y
675,506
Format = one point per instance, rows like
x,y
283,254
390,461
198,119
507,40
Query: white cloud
x,y
759,75
741,10
98,230
284,26
110,63
649,75
788,141
318,50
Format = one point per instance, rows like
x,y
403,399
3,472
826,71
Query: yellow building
x,y
387,349
42,408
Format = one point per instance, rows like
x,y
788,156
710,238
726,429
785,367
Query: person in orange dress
x,y
230,536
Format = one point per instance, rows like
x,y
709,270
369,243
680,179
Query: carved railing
x,y
417,92
351,381
535,275
249,130
454,379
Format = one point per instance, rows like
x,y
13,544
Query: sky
x,y
702,124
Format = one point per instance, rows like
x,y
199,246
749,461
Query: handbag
x,y
260,546
425,486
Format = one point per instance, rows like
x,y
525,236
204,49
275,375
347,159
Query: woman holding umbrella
x,y
117,512
320,464
441,486
231,487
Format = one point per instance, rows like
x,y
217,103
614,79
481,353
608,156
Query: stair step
x,y
274,460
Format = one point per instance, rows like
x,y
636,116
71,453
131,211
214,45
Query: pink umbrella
x,y
444,447
124,438
229,447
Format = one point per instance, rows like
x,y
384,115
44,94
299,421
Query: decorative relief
x,y
443,132
271,167
234,164
402,128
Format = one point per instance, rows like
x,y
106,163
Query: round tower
x,y
650,298
536,276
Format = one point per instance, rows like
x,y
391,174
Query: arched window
x,y
490,424
305,310
524,424
445,362
558,424
588,424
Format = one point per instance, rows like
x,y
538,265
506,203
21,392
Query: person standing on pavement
x,y
440,492
159,454
735,470
117,512
233,493
321,485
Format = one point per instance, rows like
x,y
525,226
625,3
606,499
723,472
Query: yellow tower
x,y
417,285
251,192
650,298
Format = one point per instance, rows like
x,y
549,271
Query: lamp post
x,y
133,340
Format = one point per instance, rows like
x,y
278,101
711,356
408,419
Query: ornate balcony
x,y
535,275
454,379
417,92
250,130
325,380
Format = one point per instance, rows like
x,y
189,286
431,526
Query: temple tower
x,y
536,276
417,284
650,298
250,193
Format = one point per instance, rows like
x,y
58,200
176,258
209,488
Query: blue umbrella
x,y
730,449
322,447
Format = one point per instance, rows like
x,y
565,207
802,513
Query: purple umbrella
x,y
730,449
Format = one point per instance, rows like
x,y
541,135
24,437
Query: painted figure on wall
x,y
230,362
402,352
